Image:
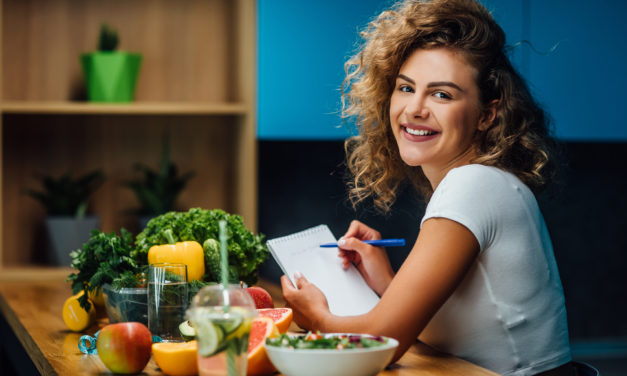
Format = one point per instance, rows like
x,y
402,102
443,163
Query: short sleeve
x,y
469,195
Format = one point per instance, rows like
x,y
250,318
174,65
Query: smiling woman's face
x,y
435,111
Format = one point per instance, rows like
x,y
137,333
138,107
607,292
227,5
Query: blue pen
x,y
379,243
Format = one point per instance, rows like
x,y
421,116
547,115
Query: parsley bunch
x,y
105,258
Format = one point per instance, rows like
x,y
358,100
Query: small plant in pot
x,y
110,75
157,190
66,200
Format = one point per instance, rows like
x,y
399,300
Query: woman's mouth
x,y
418,134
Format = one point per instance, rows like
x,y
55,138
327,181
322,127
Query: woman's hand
x,y
372,262
308,303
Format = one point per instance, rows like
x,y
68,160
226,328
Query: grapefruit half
x,y
282,317
258,362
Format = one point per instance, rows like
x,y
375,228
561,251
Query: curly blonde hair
x,y
518,140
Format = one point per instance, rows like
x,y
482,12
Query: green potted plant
x,y
66,202
158,190
110,75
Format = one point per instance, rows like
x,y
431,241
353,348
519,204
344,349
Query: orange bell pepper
x,y
189,253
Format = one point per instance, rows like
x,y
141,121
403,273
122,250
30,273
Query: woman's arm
x,y
442,255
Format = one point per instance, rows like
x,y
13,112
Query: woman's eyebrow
x,y
432,84
444,83
407,79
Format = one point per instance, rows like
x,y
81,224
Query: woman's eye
x,y
406,89
442,95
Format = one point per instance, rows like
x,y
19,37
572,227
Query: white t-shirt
x,y
508,314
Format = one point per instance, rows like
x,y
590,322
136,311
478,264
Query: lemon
x,y
75,317
241,330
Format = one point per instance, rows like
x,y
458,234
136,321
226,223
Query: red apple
x,y
124,347
261,297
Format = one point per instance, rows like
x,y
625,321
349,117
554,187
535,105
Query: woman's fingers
x,y
355,246
353,250
286,284
308,303
300,280
348,257
359,230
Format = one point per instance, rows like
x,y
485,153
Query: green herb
x,y
246,251
105,258
328,342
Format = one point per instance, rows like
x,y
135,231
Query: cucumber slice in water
x,y
187,331
209,337
229,323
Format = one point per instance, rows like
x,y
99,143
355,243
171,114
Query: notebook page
x,y
345,290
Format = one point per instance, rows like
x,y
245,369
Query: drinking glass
x,y
222,317
167,300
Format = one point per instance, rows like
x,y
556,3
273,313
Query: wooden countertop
x,y
33,312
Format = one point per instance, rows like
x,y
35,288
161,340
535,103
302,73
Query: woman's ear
x,y
489,114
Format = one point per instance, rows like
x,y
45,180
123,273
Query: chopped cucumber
x,y
187,331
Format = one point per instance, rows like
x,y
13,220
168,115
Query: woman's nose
x,y
416,108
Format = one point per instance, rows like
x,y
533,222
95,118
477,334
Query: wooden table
x,y
32,317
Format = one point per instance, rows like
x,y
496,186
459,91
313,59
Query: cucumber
x,y
187,331
209,338
229,323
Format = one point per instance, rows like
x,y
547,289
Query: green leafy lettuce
x,y
246,251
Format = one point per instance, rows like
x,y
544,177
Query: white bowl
x,y
331,362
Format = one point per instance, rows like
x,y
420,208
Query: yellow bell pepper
x,y
189,253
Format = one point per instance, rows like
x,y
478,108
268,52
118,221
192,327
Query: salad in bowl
x,y
332,354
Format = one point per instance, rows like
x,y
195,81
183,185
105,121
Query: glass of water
x,y
222,317
167,300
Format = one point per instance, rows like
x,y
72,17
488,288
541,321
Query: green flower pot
x,y
111,76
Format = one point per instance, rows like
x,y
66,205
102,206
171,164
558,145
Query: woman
x,y
438,103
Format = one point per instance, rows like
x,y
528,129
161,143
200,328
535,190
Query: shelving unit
x,y
197,83
141,108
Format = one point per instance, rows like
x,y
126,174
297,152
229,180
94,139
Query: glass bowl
x,y
126,304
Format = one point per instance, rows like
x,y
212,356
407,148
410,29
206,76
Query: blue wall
x,y
583,83
303,47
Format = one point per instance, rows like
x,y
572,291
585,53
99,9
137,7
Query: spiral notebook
x,y
346,291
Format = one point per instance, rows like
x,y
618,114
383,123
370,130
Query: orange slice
x,y
176,358
282,317
258,362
